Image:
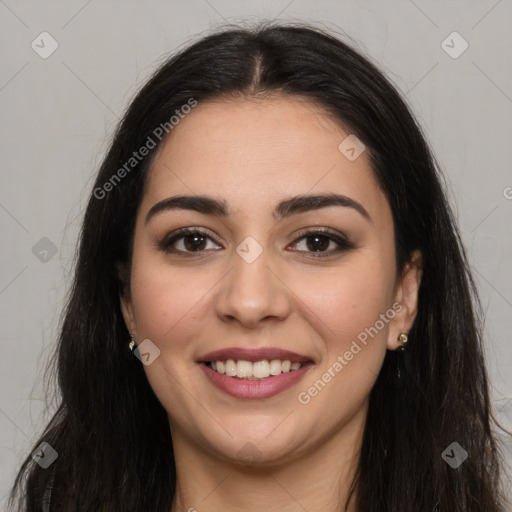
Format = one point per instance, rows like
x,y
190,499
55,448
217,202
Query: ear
x,y
406,295
125,299
127,310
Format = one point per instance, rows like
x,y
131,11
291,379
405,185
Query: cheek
x,y
349,298
352,309
355,310
167,301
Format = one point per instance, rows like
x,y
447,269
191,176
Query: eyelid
x,y
339,238
343,242
319,229
165,242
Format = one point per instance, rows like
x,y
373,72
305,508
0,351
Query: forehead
x,y
253,152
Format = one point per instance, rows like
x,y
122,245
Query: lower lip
x,y
243,388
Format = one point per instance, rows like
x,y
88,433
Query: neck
x,y
317,480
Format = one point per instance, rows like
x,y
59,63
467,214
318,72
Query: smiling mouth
x,y
257,370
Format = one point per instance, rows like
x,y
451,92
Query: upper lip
x,y
253,355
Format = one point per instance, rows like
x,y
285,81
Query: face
x,y
255,275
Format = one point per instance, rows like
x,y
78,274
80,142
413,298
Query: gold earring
x,y
132,343
403,339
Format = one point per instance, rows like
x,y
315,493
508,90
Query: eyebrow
x,y
286,208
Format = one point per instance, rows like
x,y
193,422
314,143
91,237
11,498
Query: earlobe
x,y
407,295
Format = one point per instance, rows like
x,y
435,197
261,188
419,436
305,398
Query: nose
x,y
254,293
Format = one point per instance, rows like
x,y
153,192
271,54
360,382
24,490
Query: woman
x,y
272,309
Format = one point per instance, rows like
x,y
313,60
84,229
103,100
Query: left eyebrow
x,y
304,203
286,208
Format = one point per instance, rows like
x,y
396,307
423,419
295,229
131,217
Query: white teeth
x,y
261,369
230,368
243,369
275,367
254,371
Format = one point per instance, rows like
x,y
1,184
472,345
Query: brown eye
x,y
194,242
318,243
320,240
186,241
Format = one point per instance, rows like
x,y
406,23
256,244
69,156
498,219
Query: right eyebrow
x,y
201,204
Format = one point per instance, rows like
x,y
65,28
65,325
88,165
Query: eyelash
x,y
343,243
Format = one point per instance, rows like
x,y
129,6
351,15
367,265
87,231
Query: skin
x,y
253,153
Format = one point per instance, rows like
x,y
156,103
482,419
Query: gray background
x,y
58,115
